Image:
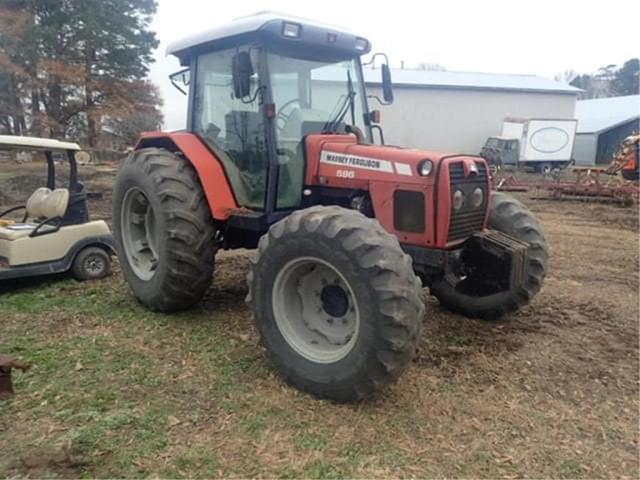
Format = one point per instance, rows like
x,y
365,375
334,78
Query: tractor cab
x,y
259,86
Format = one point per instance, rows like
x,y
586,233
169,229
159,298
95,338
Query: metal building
x,y
457,111
602,125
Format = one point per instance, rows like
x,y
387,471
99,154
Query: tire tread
x,y
190,232
378,255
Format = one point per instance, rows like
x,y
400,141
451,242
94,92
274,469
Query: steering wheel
x,y
282,117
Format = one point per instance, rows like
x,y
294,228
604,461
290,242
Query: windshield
x,y
313,96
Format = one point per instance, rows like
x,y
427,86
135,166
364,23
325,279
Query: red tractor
x,y
279,155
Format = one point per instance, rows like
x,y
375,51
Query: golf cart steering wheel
x,y
282,117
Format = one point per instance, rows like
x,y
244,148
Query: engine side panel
x,y
214,181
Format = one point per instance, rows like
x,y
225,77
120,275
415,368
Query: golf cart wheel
x,y
336,302
163,230
473,294
91,263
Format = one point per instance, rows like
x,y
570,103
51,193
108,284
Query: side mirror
x,y
387,85
242,72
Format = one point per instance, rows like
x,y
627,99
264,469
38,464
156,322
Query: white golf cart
x,y
51,231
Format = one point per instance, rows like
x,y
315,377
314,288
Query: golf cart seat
x,y
43,205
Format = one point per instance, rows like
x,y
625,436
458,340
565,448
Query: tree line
x,y
78,69
609,81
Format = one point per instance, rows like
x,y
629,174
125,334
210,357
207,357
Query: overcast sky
x,y
542,37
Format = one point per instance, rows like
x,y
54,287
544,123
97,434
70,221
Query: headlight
x,y
425,167
458,199
477,197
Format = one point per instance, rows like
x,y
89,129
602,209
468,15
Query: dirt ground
x,y
115,391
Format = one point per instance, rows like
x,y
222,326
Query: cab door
x,y
234,128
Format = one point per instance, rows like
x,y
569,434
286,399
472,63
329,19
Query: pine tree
x,y
626,80
83,61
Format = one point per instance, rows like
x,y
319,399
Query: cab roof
x,y
35,143
265,24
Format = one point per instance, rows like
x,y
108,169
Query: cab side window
x,y
232,127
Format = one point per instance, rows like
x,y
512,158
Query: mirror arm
x,y
172,79
173,82
373,59
379,100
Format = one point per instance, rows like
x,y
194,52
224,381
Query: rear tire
x,y
336,302
91,263
509,216
163,230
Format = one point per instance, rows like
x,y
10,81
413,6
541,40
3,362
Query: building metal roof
x,y
600,114
471,81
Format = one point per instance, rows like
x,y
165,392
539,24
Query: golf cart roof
x,y
271,24
34,143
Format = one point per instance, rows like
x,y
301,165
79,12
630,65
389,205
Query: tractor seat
x,y
42,205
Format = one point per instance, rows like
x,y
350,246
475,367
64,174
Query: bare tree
x,y
566,76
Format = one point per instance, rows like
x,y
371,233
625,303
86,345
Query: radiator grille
x,y
467,220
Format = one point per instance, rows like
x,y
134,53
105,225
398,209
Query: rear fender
x,y
212,176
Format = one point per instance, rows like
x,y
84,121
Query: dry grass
x,y
117,391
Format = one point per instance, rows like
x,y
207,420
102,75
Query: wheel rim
x,y
139,233
315,310
94,265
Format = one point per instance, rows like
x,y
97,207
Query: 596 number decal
x,y
345,174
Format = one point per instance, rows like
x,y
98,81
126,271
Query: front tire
x,y
163,230
336,302
509,216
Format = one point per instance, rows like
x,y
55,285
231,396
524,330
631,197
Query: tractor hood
x,y
423,196
342,157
